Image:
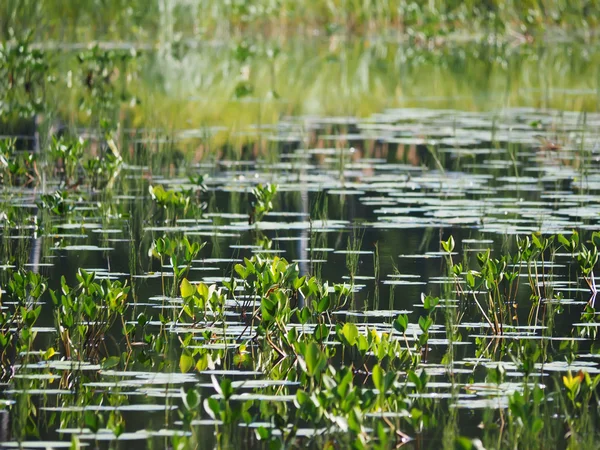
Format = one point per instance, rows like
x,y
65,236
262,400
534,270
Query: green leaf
x,y
191,399
323,304
212,407
463,443
350,333
187,290
401,323
537,425
241,270
414,378
314,358
110,362
378,378
226,388
362,344
302,397
92,421
425,323
470,279
448,245
564,241
299,282
321,332
186,362
262,433
202,363
430,302
303,315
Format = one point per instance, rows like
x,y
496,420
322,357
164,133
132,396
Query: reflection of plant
x,y
224,410
353,253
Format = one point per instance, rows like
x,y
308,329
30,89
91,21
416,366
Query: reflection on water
x,y
379,151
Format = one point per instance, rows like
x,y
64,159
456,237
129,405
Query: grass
x,y
166,20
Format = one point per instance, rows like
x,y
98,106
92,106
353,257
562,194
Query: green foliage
x,y
85,312
57,203
262,202
497,278
103,77
23,78
175,203
17,168
24,290
135,21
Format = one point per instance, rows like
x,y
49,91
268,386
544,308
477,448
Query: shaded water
x,y
379,153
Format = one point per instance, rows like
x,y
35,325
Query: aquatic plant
x,y
259,340
25,288
179,203
103,75
261,202
58,203
85,313
496,277
17,168
23,78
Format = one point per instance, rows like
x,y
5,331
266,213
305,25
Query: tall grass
x,y
153,20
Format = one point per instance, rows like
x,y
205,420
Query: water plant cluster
x,y
385,242
289,357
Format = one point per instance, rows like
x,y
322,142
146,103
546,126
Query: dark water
x,y
391,185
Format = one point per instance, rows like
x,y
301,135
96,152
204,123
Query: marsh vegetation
x,y
374,227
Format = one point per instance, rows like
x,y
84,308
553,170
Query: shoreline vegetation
x,y
422,20
223,93
224,68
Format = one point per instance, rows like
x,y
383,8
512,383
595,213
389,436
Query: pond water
x,y
381,153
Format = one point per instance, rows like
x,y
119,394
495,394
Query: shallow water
x,y
441,148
